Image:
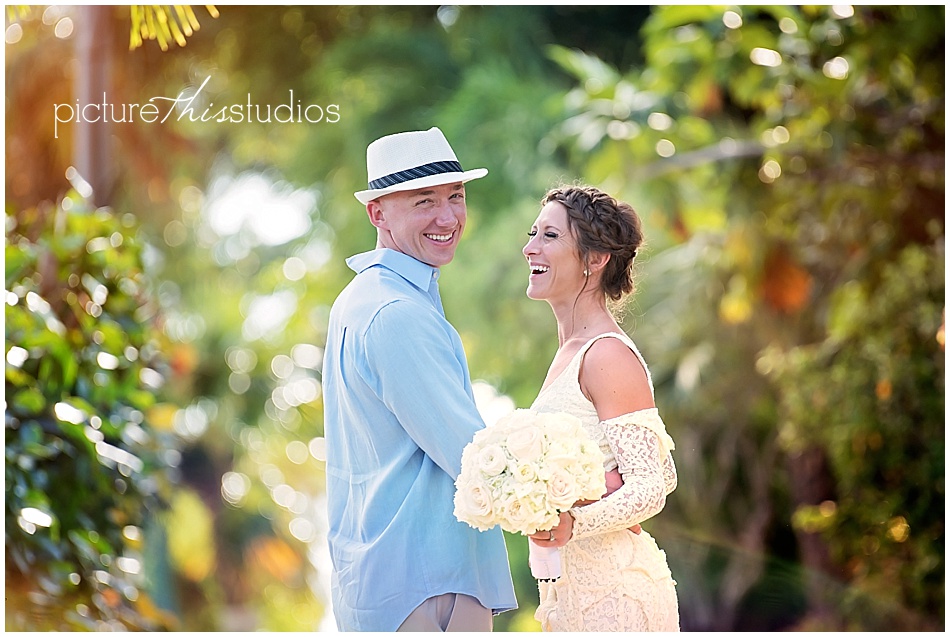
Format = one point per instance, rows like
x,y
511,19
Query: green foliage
x,y
871,394
84,468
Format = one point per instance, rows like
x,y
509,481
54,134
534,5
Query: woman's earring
x,y
586,272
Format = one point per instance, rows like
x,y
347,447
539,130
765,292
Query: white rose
x,y
526,443
524,473
473,504
562,490
491,460
517,516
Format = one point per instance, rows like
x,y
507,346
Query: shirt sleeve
x,y
417,368
649,475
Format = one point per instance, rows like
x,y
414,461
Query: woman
x,y
581,251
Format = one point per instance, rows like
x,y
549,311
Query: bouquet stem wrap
x,y
545,562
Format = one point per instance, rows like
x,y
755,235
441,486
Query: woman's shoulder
x,y
613,351
613,371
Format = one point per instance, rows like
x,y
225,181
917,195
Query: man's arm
x,y
414,369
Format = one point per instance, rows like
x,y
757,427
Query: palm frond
x,y
164,23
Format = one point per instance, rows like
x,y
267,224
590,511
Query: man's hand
x,y
614,481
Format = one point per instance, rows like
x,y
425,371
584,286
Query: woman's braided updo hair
x,y
600,223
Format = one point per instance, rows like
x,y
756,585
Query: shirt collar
x,y
416,272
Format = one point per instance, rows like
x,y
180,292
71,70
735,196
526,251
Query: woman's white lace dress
x,y
611,578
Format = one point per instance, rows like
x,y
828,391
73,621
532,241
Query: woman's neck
x,y
585,318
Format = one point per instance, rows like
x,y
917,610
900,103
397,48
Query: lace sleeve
x,y
642,448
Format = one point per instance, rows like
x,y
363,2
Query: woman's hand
x,y
614,481
559,535
562,533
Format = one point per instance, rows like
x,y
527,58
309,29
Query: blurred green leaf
x,y
72,403
30,401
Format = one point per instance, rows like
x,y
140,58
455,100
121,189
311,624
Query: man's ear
x,y
376,214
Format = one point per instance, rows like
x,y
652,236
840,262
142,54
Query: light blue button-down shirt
x,y
398,410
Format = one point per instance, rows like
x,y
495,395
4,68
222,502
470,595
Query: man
x,y
399,409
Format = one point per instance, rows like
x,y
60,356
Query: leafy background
x,y
167,288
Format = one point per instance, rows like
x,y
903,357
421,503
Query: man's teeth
x,y
439,237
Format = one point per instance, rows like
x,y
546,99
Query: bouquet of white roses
x,y
521,472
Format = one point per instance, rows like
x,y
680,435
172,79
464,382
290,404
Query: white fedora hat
x,y
407,161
